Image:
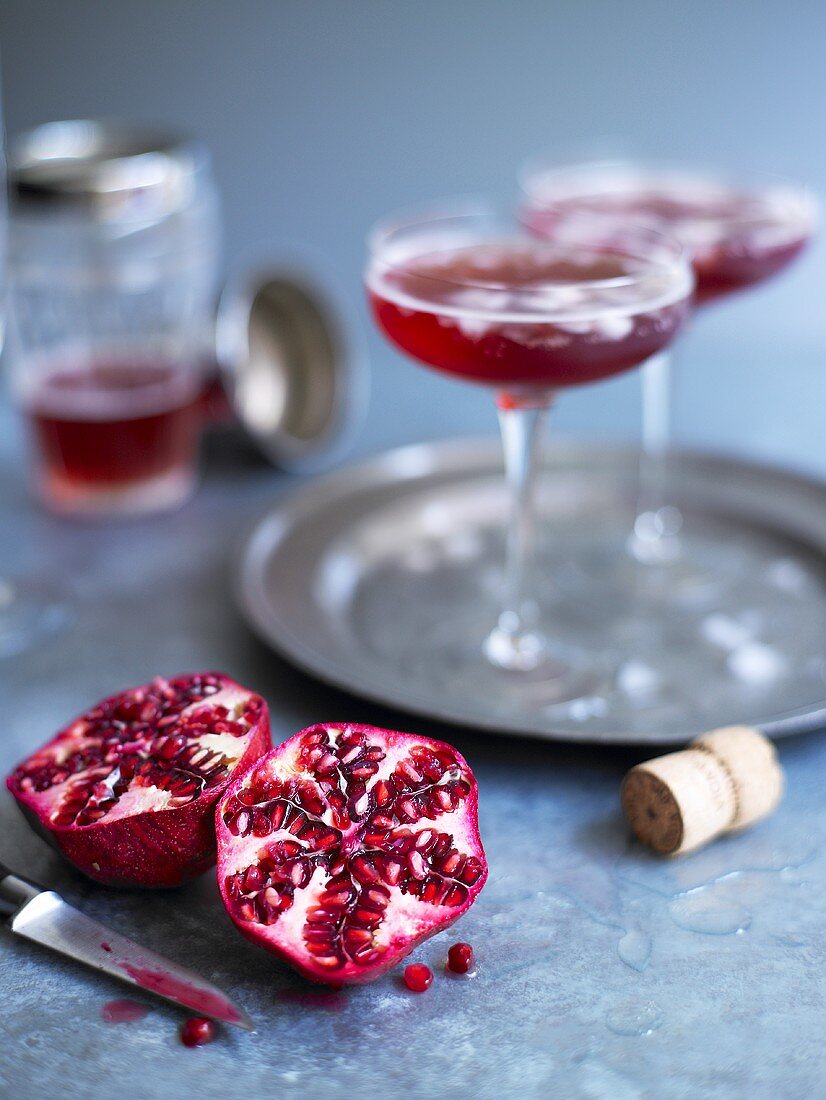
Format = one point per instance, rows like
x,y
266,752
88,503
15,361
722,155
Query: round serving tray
x,y
348,575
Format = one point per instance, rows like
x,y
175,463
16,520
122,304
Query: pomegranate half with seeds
x,y
346,846
127,792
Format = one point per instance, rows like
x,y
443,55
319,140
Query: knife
x,y
44,917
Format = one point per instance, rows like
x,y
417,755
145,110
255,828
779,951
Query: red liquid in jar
x,y
113,426
736,240
477,312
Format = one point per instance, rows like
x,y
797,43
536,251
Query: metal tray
x,y
347,575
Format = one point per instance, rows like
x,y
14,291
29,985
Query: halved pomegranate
x,y
127,791
346,846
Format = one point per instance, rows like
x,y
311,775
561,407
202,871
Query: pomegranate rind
x,y
142,840
347,845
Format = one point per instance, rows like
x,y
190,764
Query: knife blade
x,y
43,917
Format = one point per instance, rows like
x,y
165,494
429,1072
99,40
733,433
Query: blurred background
x,y
323,116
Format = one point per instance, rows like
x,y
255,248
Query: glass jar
x,y
114,246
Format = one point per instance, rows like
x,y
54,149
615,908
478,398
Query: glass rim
x,y
756,184
470,209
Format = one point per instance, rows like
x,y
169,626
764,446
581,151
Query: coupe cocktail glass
x,y
738,232
471,296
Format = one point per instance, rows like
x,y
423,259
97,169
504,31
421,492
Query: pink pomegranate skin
x,y
127,791
348,845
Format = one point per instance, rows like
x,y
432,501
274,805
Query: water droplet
x,y
592,891
634,949
792,876
634,1018
700,912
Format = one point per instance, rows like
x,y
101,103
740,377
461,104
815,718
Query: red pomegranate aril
x,y
365,884
364,870
425,840
253,879
418,977
441,847
382,792
471,871
392,872
450,862
379,898
402,841
455,896
460,958
127,791
417,865
261,824
431,891
197,1031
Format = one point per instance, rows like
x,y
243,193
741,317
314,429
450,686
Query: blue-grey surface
x,y
322,116
603,972
583,940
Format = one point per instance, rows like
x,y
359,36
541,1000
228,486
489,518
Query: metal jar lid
x,y
290,368
107,170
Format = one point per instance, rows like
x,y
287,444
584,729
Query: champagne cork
x,y
724,781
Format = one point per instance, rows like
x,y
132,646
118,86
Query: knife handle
x,y
15,891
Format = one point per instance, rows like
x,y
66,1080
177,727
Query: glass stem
x,y
514,643
655,538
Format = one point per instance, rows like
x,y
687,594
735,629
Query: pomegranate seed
x,y
456,895
418,977
197,1031
460,958
417,865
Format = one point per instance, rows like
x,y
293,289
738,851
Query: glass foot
x,y
655,539
30,611
514,650
680,571
504,672
550,682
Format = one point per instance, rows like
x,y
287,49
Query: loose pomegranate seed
x,y
460,958
197,1031
418,977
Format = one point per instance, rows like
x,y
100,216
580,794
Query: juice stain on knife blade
x,y
210,1004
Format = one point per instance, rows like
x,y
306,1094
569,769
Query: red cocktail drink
x,y
474,299
734,244
526,315
737,235
114,432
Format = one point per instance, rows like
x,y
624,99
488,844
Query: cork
x,y
725,781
